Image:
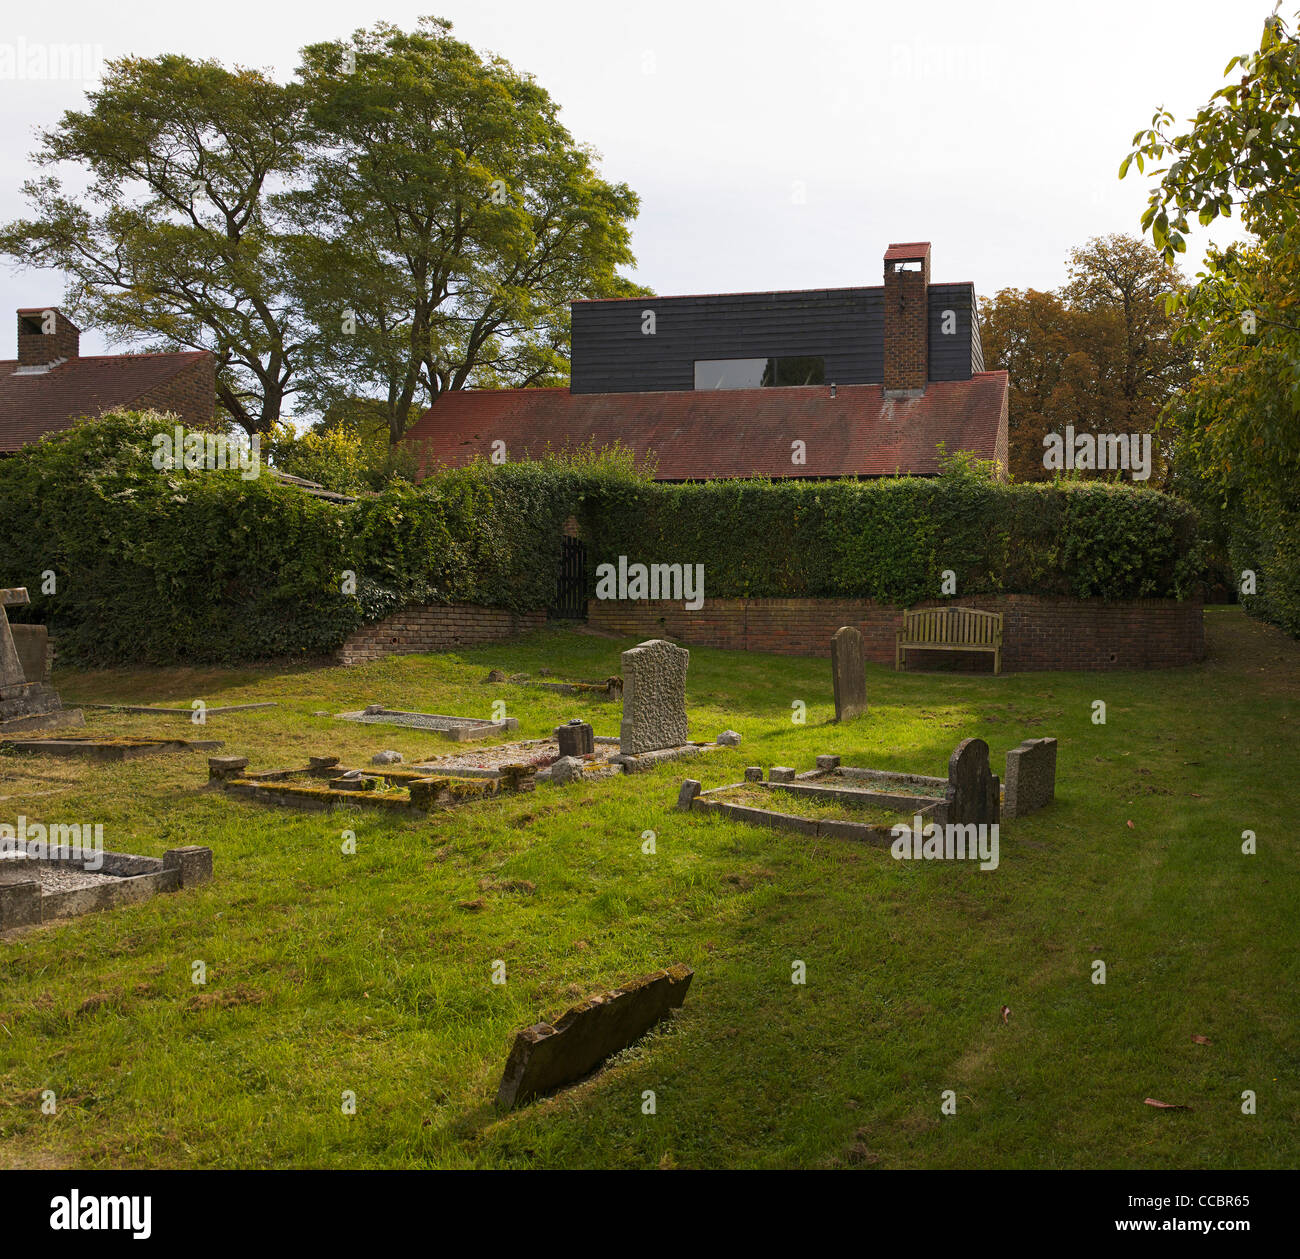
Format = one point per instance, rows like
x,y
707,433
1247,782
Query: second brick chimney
x,y
907,317
46,336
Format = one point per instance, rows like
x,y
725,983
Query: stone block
x,y
576,738
754,774
193,861
828,762
222,767
690,789
20,904
780,774
1031,777
547,1056
729,739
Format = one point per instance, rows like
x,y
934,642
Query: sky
x,y
773,145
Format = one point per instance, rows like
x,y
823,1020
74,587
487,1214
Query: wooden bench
x,y
950,629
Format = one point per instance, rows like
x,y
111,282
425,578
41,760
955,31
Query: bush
x,y
207,567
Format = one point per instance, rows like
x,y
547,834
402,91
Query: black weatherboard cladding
x,y
611,353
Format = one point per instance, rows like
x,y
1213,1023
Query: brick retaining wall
x,y
1038,632
435,627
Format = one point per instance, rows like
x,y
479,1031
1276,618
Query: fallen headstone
x,y
654,697
548,1055
848,673
1031,777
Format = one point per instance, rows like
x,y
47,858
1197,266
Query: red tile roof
x,y
719,433
907,250
32,405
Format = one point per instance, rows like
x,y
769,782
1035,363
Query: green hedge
x,y
206,567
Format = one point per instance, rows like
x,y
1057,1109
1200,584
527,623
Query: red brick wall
x,y
190,395
1037,633
907,327
435,627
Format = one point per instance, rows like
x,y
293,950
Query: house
x,y
809,384
50,384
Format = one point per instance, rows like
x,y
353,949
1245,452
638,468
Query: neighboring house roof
x,y
719,433
36,402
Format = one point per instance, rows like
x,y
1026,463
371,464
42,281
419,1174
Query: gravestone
x,y
654,698
548,1055
848,673
972,794
25,705
576,738
1031,776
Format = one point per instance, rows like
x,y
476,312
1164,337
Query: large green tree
x,y
173,241
449,220
1239,419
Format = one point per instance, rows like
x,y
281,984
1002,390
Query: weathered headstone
x,y
972,794
24,704
547,1055
654,697
1031,777
576,738
754,774
848,673
828,762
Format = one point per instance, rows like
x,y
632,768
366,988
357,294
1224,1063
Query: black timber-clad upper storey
x,y
611,353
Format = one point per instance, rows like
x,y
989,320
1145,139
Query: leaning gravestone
x,y
848,674
654,698
26,705
1031,776
972,794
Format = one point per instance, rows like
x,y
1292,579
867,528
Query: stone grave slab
x,y
122,748
548,1055
208,709
848,673
455,729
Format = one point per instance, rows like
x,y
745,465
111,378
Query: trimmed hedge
x,y
205,567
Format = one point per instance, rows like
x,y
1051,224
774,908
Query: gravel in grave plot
x,y
539,752
60,878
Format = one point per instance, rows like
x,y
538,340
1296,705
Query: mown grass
x,y
372,973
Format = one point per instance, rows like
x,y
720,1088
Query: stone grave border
x,y
425,791
208,710
457,730
1038,755
137,879
123,748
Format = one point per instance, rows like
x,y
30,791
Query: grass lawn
x,y
371,973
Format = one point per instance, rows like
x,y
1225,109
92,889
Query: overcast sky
x,y
774,145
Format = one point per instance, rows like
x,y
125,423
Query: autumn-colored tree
x,y
1097,355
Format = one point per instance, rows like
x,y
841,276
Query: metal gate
x,y
571,586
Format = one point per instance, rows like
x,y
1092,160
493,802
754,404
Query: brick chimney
x,y
907,318
46,335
